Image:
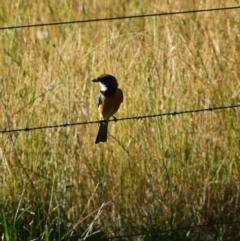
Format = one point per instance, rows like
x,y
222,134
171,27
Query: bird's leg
x,y
114,118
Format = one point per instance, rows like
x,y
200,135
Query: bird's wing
x,y
121,93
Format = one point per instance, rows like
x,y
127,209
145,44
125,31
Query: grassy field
x,y
152,174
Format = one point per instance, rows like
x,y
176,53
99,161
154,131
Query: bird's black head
x,y
106,79
107,82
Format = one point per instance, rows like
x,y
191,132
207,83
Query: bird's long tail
x,y
102,132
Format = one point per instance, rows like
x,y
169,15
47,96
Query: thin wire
x,y
121,17
137,117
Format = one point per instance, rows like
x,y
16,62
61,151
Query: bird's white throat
x,y
103,87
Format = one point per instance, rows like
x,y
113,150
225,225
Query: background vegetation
x,y
152,174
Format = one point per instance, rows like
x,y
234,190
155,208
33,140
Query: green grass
x,y
152,174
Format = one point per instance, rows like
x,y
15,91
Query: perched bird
x,y
109,99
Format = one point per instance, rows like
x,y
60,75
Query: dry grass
x,y
154,173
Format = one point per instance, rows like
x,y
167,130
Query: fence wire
x,y
136,117
120,18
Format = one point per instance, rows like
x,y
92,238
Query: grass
x,y
163,173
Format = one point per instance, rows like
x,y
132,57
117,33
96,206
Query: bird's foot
x,y
115,119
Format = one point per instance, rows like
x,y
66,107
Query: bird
x,y
109,100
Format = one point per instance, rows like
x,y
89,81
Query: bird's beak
x,y
95,80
